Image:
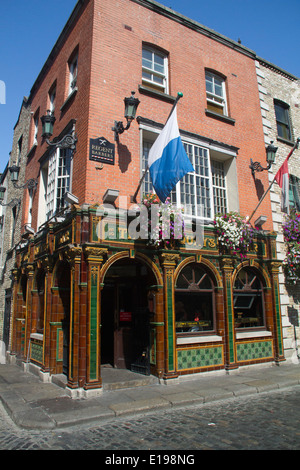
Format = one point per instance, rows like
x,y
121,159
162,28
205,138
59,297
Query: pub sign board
x,y
102,151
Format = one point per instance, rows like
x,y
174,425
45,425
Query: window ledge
x,y
253,334
31,150
198,339
285,141
37,336
157,94
221,117
70,96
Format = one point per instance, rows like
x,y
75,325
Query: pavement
x,y
34,404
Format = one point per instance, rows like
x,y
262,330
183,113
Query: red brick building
x,y
83,296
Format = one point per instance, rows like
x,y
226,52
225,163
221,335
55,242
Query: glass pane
x,y
147,55
193,312
147,64
283,131
281,113
248,300
209,83
147,76
248,311
159,63
147,184
157,79
185,278
218,90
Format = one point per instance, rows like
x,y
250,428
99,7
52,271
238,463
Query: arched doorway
x,y
125,316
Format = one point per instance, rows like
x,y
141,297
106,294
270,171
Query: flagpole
x,y
266,192
179,95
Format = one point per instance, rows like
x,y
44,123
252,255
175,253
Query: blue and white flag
x,y
168,161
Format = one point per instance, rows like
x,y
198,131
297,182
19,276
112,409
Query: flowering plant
x,y
165,222
291,233
234,232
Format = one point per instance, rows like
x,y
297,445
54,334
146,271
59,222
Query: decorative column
x,y
94,257
230,349
28,309
46,264
278,339
14,309
157,353
73,255
168,262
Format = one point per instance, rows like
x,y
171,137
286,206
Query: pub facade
x,y
88,294
94,302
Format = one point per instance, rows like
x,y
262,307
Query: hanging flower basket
x,y
165,221
235,233
291,233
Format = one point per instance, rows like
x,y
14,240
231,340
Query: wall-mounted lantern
x,y
68,140
270,157
14,175
48,122
12,203
131,105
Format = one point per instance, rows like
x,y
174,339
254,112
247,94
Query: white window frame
x,y
29,215
147,136
52,97
164,87
73,73
214,98
194,207
53,183
219,186
36,128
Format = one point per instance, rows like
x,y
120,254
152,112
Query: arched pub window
x,y
248,300
194,301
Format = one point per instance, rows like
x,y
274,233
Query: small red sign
x,y
125,316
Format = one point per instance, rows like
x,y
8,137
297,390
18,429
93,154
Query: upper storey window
x,y
294,192
35,127
215,93
155,69
52,97
73,70
203,193
283,120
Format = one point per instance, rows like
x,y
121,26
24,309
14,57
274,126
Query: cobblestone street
x,y
268,421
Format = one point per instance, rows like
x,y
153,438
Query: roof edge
x,y
184,20
57,46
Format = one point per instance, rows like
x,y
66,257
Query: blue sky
x,y
29,29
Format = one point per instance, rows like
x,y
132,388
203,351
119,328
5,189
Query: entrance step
x,y
115,379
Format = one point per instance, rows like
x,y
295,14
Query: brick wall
x,y
110,34
116,70
56,70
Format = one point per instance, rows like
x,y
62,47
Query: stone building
x,y
87,294
11,218
280,103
